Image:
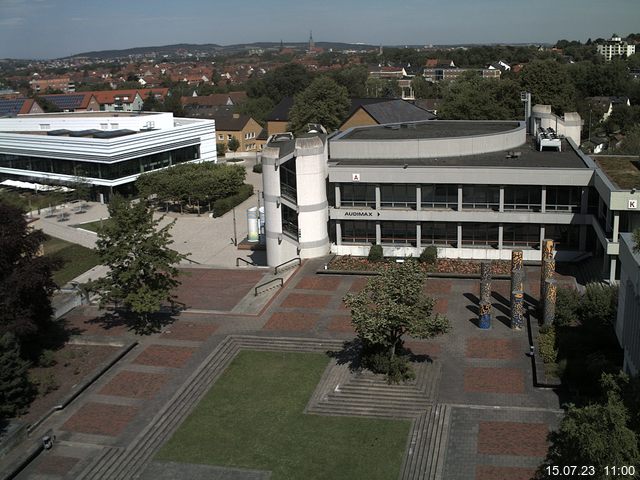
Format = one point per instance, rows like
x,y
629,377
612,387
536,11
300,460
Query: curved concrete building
x,y
294,175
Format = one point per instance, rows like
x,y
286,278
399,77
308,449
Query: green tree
x,y
282,82
630,142
475,98
151,104
549,84
390,306
424,89
26,284
142,268
233,144
354,79
15,389
257,108
597,435
383,88
324,102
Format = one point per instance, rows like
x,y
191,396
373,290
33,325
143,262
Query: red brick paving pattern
x,y
301,300
493,348
101,419
134,384
164,356
438,286
291,322
183,330
513,438
441,306
493,380
319,283
341,323
207,289
89,321
491,472
56,465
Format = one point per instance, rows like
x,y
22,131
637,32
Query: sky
x,y
41,29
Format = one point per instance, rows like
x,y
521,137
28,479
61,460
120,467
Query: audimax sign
x,y
359,213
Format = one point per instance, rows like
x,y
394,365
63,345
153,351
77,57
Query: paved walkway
x,y
482,416
208,241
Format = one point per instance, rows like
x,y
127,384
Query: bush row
x,y
223,205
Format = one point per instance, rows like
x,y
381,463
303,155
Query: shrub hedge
x,y
223,205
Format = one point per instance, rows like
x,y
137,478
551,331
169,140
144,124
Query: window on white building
x,y
45,126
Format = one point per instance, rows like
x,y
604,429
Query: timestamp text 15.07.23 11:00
x,y
613,471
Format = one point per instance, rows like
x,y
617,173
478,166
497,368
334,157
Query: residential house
x,y
64,84
74,102
244,128
607,104
379,111
11,107
119,100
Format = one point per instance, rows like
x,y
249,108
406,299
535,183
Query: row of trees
x,y
192,183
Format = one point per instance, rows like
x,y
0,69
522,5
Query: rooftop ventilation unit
x,y
548,139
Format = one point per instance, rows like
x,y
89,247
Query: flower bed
x,y
442,265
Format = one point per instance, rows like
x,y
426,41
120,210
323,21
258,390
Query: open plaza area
x,y
228,394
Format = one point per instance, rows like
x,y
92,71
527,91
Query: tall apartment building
x,y
615,47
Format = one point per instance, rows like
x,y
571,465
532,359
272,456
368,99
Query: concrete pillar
x,y
337,195
459,198
418,198
459,245
484,315
338,232
543,199
377,197
485,282
542,235
517,309
584,200
616,226
549,311
418,235
378,234
500,236
517,272
501,204
547,273
612,269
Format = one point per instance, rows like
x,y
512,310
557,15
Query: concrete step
x,y
363,412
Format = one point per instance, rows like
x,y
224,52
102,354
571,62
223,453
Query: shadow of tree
x,y
141,326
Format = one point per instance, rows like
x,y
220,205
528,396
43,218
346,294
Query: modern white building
x,y
108,150
628,321
475,189
615,47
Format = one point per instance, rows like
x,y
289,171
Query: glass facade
x,y
358,195
434,233
523,197
439,196
484,197
563,199
288,181
565,236
398,195
398,233
479,234
521,235
289,221
106,171
358,232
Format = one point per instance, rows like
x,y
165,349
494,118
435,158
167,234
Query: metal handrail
x,y
255,290
240,259
275,270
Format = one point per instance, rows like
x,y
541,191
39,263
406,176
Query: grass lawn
x,y
78,259
624,171
252,418
91,226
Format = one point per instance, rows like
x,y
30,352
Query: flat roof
x,y
623,171
429,129
529,157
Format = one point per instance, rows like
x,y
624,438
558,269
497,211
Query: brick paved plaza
x,y
498,421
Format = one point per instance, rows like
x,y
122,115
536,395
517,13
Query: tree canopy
x,y
475,98
15,389
550,84
142,267
390,306
282,82
324,102
25,277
